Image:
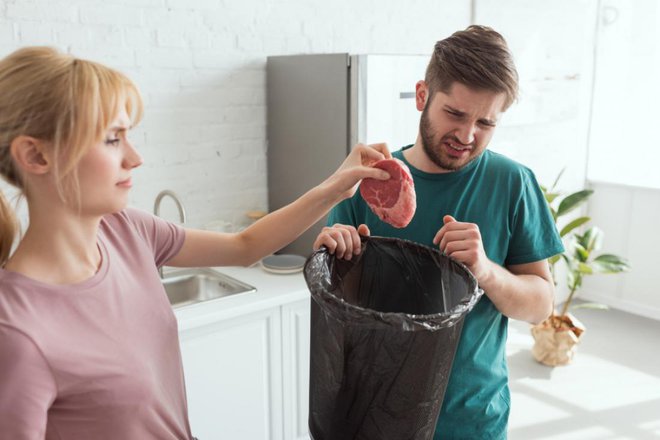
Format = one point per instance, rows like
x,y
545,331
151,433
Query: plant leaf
x,y
585,269
550,197
609,263
592,239
581,254
554,185
574,224
573,201
611,258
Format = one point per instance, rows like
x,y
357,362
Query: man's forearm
x,y
523,296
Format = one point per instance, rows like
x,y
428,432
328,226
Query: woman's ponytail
x,y
8,228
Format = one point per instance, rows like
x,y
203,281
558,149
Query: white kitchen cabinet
x,y
295,368
233,372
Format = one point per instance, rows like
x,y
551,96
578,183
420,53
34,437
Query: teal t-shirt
x,y
504,199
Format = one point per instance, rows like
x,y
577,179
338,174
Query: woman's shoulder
x,y
134,227
127,216
128,221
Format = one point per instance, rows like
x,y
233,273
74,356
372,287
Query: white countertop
x,y
272,290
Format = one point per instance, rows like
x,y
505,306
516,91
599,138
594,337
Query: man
x,y
480,208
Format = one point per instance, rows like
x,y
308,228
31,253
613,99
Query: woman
x,y
88,340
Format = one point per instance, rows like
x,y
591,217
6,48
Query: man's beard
x,y
434,154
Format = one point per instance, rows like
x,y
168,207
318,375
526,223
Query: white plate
x,y
283,263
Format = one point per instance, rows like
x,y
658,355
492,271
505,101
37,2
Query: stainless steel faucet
x,y
179,206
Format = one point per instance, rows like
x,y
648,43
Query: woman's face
x,y
104,172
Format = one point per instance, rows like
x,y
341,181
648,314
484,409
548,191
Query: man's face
x,y
456,127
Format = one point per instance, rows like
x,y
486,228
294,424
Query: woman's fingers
x,y
369,154
381,149
364,172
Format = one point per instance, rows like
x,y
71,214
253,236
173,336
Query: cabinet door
x,y
295,360
234,377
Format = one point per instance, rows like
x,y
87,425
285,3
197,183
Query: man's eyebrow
x,y
488,121
461,113
453,110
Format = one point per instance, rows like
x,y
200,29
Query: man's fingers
x,y
348,240
364,230
454,236
355,241
326,239
450,223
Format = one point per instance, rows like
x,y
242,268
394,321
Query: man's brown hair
x,y
477,57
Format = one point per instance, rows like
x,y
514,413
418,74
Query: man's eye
x,y
112,141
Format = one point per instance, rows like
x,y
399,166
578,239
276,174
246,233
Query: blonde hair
x,y
62,100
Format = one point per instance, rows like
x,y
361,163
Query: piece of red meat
x,y
392,200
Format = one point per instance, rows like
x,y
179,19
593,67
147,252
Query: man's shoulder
x,y
498,166
505,163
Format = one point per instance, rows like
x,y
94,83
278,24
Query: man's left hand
x,y
462,241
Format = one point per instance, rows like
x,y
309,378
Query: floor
x,y
611,391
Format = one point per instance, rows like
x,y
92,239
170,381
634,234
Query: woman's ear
x,y
29,155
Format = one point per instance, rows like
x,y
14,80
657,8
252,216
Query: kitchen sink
x,y
190,286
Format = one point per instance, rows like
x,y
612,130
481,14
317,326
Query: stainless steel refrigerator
x,y
319,106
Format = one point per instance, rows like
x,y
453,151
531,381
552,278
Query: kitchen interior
x,y
250,103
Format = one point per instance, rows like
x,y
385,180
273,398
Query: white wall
x,y
552,43
629,217
200,65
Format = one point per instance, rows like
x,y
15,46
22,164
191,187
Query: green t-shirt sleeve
x,y
534,233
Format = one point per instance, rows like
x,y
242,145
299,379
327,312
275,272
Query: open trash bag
x,y
384,331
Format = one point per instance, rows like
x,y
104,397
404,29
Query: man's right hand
x,y
341,240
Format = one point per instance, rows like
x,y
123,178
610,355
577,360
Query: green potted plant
x,y
556,338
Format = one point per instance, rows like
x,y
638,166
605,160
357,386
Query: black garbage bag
x,y
384,331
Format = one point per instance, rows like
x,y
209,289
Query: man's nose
x,y
465,133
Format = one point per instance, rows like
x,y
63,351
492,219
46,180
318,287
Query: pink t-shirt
x,y
98,359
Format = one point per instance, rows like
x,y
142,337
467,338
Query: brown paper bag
x,y
556,339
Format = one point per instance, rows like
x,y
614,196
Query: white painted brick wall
x,y
200,65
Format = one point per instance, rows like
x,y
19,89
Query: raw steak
x,y
392,200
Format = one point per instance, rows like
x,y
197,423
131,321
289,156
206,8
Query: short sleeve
x,y
164,238
27,386
534,235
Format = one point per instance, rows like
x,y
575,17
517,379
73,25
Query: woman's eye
x,y
112,141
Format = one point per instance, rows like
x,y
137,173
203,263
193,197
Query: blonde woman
x,y
88,340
